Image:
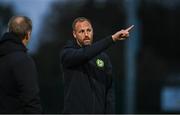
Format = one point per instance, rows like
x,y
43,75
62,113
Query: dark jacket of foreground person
x,y
19,91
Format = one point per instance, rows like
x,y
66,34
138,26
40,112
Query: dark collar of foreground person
x,y
11,43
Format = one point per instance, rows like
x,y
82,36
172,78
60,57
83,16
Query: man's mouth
x,y
86,39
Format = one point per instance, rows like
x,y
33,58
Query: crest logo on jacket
x,y
100,63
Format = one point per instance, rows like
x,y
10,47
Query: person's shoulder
x,y
20,56
69,44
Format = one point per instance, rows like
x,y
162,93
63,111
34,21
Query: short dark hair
x,y
79,19
20,25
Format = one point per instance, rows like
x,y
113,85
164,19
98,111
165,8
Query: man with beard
x,y
87,70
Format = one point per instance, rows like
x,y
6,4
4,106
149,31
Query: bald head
x,y
20,25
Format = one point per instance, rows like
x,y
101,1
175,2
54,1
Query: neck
x,y
78,43
24,41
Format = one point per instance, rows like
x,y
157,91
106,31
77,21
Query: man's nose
x,y
86,33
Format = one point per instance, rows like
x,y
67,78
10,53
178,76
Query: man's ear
x,y
26,38
28,35
74,34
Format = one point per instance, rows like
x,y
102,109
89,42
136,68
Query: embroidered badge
x,y
100,63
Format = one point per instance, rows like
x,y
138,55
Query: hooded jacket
x,y
19,91
87,75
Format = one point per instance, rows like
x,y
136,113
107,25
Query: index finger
x,y
129,28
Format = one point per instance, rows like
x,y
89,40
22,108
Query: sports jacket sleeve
x,y
76,56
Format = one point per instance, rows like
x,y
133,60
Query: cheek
x,y
80,37
91,35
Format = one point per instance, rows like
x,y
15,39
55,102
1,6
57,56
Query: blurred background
x,y
146,66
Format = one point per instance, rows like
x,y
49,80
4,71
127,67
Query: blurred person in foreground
x,y
87,70
19,91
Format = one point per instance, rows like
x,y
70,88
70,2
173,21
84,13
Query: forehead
x,y
83,24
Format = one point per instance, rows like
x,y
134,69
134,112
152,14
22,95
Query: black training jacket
x,y
19,92
87,75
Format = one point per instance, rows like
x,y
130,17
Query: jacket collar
x,y
10,42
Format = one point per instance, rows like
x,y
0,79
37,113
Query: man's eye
x,y
81,31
